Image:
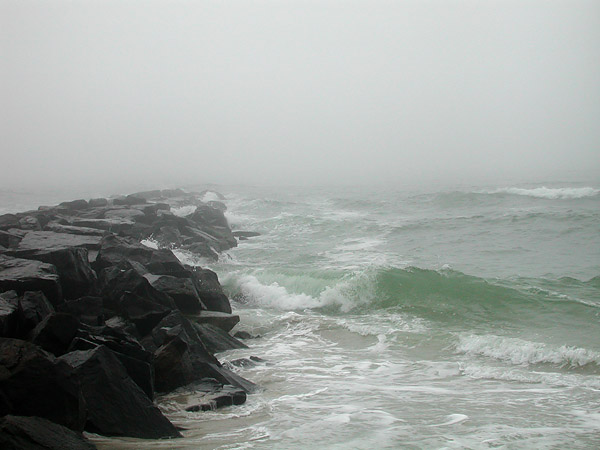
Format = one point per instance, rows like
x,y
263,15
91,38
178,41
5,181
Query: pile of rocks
x,y
93,323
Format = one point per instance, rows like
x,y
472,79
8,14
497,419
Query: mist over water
x,y
453,318
425,176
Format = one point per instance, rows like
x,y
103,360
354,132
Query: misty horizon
x,y
298,93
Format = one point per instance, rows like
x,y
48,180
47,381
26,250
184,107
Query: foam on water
x,y
183,211
519,351
550,193
343,294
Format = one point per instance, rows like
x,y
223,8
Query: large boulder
x,y
115,249
210,290
128,214
136,360
182,291
55,333
89,310
110,225
215,339
49,240
70,229
224,321
77,278
24,275
33,383
116,406
9,240
182,357
9,314
127,293
30,223
68,253
8,221
36,433
129,200
75,205
34,307
97,202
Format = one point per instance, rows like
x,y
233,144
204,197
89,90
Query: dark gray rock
x,y
24,275
110,225
132,215
215,339
219,319
143,313
33,383
70,230
127,293
9,314
49,240
182,291
76,276
116,406
97,202
55,333
30,223
34,307
129,200
36,433
206,395
75,205
9,240
210,291
159,262
89,310
244,335
202,249
8,221
136,360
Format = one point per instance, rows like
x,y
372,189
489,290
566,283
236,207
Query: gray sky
x,y
295,92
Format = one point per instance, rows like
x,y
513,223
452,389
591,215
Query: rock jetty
x,y
93,324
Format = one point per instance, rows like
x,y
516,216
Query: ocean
x,y
455,318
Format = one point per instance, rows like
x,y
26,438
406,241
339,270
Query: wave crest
x,y
549,193
521,352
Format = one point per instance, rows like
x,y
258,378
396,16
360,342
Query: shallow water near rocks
x,y
455,318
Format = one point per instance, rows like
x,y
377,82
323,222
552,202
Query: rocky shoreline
x,y
94,324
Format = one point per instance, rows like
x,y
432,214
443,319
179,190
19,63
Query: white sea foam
x,y
549,193
522,352
343,294
150,243
183,211
210,196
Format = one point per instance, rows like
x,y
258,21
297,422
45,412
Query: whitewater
x,y
464,318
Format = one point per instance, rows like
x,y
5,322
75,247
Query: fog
x,y
150,93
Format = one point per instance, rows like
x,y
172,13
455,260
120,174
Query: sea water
x,y
461,318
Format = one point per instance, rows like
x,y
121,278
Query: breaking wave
x,y
549,193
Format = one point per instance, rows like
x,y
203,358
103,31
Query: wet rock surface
x,y
93,323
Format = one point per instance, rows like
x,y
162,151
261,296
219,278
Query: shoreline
x,y
110,321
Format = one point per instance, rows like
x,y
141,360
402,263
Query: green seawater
x,y
464,318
